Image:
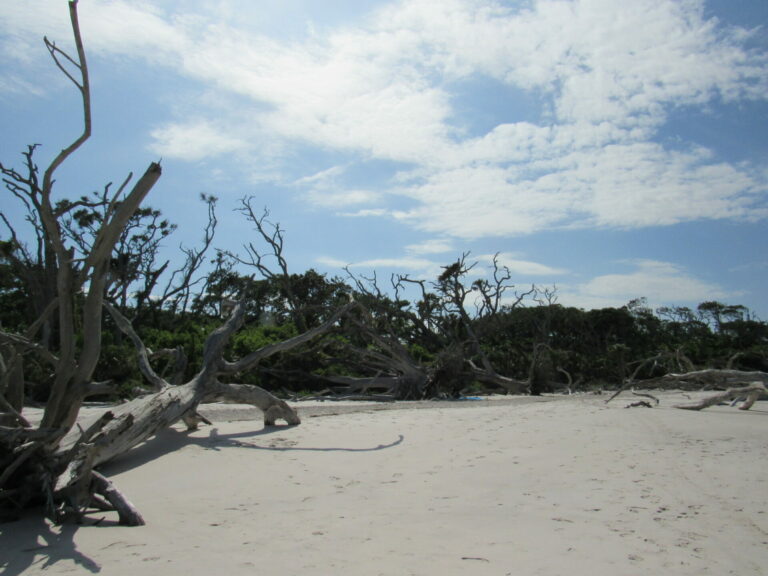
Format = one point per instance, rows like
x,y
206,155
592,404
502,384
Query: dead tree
x,y
705,379
395,369
81,280
708,379
178,289
750,394
54,462
655,362
454,296
272,235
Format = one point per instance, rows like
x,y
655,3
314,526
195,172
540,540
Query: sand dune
x,y
549,487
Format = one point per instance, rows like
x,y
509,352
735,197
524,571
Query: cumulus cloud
x,y
607,75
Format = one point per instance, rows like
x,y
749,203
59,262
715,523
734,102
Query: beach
x,y
540,486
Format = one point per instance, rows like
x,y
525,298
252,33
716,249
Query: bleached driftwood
x,y
698,379
751,393
711,378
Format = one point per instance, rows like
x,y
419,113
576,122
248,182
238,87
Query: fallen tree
x,y
710,378
58,467
750,394
54,462
753,383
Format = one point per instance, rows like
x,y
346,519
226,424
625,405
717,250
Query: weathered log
x,y
127,512
751,392
698,379
711,377
272,407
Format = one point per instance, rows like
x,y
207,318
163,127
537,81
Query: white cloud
x,y
324,178
13,84
194,141
407,263
366,213
607,74
331,262
340,199
327,191
432,246
519,267
473,202
660,282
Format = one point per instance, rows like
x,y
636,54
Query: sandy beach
x,y
550,486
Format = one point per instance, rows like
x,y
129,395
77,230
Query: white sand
x,y
566,486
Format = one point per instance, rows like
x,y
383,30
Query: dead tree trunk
x,y
705,379
750,394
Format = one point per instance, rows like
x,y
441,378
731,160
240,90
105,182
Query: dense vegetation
x,y
448,326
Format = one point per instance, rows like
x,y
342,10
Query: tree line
x,y
452,335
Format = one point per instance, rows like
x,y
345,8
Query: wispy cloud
x,y
194,141
405,264
527,268
341,198
660,282
433,246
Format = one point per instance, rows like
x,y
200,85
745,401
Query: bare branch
x,y
83,84
255,357
122,322
272,235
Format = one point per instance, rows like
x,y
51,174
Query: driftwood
x,y
702,379
639,403
751,393
646,395
60,463
697,380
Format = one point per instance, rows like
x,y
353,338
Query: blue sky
x,y
616,150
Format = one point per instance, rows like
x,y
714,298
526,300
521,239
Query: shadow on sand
x,y
34,541
171,439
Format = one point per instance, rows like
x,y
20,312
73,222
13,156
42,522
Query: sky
x,y
613,150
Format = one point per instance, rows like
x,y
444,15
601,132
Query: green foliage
x,y
252,338
603,345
